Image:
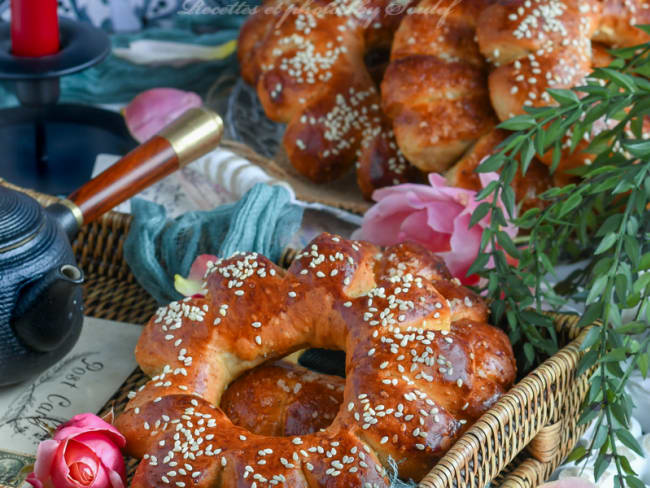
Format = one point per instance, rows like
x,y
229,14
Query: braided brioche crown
x,y
421,365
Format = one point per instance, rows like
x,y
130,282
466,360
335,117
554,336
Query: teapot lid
x,y
20,217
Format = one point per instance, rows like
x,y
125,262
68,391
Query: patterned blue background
x,y
113,15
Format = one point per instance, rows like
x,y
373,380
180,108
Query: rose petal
x,y
382,222
45,454
34,481
188,288
487,178
87,422
105,450
102,479
193,285
154,109
420,192
116,480
414,228
200,266
82,473
69,453
438,215
465,243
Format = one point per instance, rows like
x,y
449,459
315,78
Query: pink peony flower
x,y
193,284
154,109
84,453
435,216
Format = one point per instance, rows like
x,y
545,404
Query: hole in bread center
x,y
282,398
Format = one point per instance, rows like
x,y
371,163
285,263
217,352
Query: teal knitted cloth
x,y
158,248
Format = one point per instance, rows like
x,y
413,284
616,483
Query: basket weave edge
x,y
547,395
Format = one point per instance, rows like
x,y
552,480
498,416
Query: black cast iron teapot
x,y
41,307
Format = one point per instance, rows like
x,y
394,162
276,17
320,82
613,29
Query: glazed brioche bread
x,y
421,365
435,88
306,60
283,399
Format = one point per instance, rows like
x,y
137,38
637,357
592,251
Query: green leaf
x,y
628,440
587,361
631,328
620,287
625,464
506,243
641,283
570,203
644,263
492,163
624,52
592,337
611,223
597,288
592,312
557,155
632,249
614,315
624,81
638,148
608,241
601,464
600,437
479,213
488,190
520,122
587,416
508,197
529,352
479,264
617,354
565,97
577,454
642,362
634,482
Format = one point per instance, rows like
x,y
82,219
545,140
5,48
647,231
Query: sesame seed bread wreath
x,y
283,399
421,365
306,60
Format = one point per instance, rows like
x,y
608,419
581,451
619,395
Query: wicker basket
x,y
516,444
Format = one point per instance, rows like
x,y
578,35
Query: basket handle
x,y
195,133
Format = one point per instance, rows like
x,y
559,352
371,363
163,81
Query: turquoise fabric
x,y
158,248
118,81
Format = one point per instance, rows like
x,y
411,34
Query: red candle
x,y
34,28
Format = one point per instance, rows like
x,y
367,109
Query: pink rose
x,y
435,216
193,284
154,109
84,453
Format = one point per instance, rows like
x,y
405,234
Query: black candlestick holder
x,y
44,145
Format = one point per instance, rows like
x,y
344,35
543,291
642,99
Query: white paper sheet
x,y
81,382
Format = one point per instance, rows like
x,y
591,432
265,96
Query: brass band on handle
x,y
195,133
76,211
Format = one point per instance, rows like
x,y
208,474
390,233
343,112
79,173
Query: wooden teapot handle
x,y
197,132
